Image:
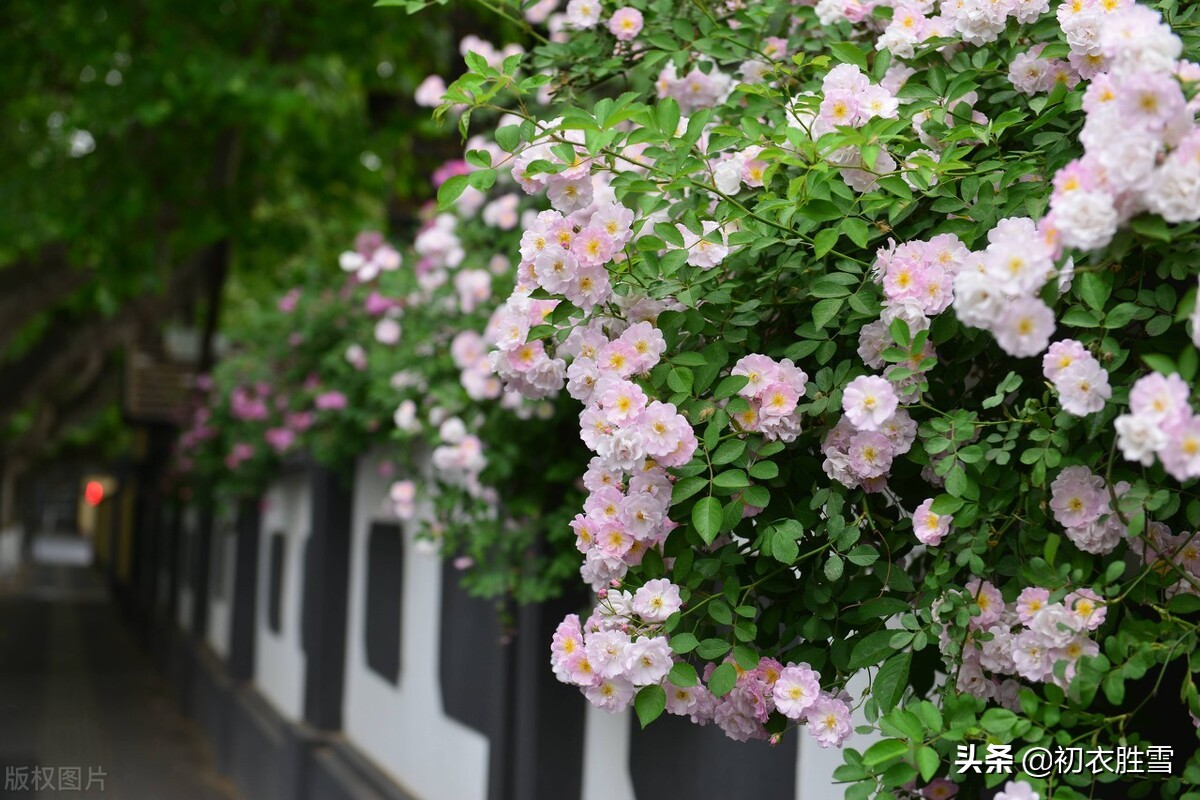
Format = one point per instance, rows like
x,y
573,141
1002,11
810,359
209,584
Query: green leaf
x,y
1121,315
946,504
729,451
680,379
764,470
1151,226
669,233
720,611
863,556
745,657
871,649
508,137
998,721
834,567
711,649
1184,604
721,682
883,751
757,496
1160,363
650,703
451,190
686,487
731,479
824,241
730,386
826,310
706,518
683,675
667,116
890,681
1078,317
849,53
930,715
829,288
1094,288
784,547
856,230
957,481
927,762
684,643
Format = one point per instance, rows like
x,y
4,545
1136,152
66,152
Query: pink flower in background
x,y
1062,355
1078,497
330,401
869,401
387,331
626,23
583,13
930,528
796,690
1025,327
377,305
430,92
540,11
403,495
870,454
1018,790
280,439
1161,398
657,600
287,303
828,720
247,404
1031,600
648,660
239,453
448,170
356,356
940,789
989,601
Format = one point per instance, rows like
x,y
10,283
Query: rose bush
x,y
388,354
878,313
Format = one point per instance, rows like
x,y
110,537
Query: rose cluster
x,y
873,430
1082,503
1161,424
620,649
1078,379
1031,638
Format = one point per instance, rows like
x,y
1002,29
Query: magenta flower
x,y
330,401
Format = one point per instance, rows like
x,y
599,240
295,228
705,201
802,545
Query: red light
x,y
93,493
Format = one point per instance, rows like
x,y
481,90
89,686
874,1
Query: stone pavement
x,y
82,712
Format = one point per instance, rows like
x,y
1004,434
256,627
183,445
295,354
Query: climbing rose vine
x,y
879,318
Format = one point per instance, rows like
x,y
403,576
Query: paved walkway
x,y
82,712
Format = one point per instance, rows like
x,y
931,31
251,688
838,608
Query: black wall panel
x,y
674,758
383,592
275,582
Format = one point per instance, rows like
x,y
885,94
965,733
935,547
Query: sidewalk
x,y
80,705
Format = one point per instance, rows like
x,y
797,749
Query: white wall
x,y
814,767
606,755
404,729
188,533
279,663
223,554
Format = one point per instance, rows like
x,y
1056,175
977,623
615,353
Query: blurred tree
x,y
154,148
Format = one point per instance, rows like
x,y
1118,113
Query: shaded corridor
x,y
81,705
